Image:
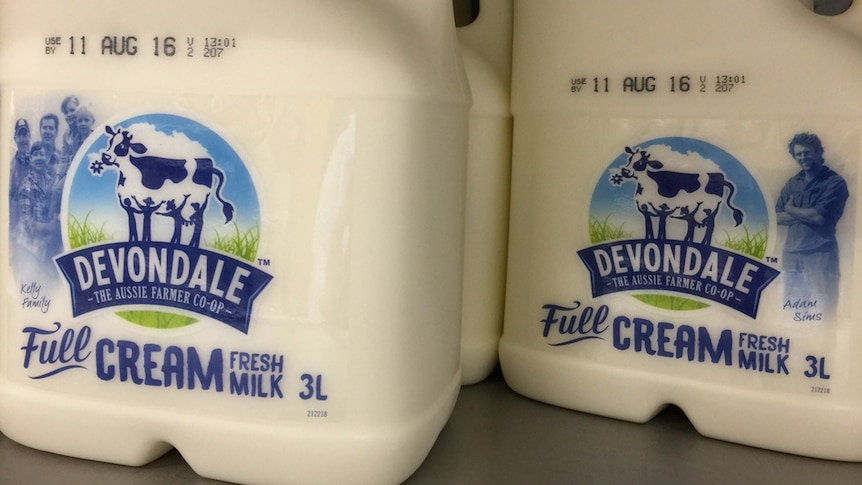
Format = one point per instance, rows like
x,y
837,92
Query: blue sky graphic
x,y
96,196
618,200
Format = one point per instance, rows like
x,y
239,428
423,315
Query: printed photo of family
x,y
44,150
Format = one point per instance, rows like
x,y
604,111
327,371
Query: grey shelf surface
x,y
496,436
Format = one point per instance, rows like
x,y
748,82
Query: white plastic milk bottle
x,y
685,219
233,228
486,48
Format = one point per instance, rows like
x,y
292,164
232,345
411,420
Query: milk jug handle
x,y
490,35
850,20
430,19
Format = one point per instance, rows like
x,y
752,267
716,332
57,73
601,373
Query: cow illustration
x,y
692,191
166,175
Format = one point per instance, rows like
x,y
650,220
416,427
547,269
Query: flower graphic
x,y
97,167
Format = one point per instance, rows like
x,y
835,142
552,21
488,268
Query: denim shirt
x,y
827,194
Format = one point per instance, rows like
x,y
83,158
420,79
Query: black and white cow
x,y
689,193
167,175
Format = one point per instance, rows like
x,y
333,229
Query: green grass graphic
x,y
83,232
752,244
667,302
153,319
604,230
242,244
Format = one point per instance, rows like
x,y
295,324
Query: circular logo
x,y
687,207
172,211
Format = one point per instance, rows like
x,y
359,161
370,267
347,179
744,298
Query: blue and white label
x,y
147,196
709,273
145,246
204,282
695,254
679,215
